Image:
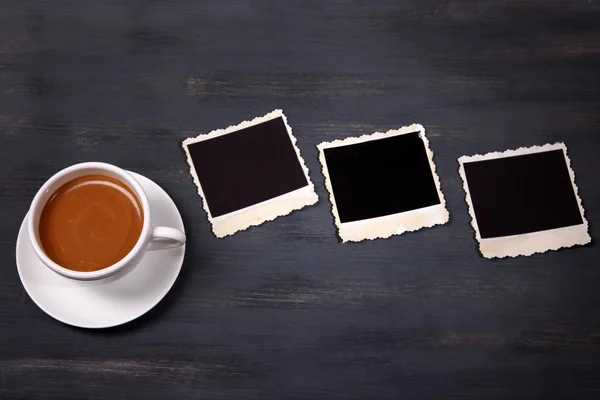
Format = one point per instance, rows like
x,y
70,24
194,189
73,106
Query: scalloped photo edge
x,y
259,213
529,243
394,224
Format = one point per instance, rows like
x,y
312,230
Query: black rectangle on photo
x,y
247,167
522,194
381,177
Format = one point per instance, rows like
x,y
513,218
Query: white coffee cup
x,y
151,237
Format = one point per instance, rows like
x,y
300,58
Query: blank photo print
x,y
523,201
249,173
382,184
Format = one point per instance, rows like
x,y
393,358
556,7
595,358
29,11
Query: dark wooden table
x,y
284,311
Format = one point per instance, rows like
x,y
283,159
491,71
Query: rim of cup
x,y
62,177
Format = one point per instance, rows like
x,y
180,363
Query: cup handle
x,y
165,238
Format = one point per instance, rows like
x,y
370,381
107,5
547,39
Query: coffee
x,y
90,223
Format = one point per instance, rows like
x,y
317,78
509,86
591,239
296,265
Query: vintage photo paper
x,y
249,173
382,184
523,201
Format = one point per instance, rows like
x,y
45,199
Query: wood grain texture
x,y
283,310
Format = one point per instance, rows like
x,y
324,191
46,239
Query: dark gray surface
x,y
283,310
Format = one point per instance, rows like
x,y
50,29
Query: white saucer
x,y
113,301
